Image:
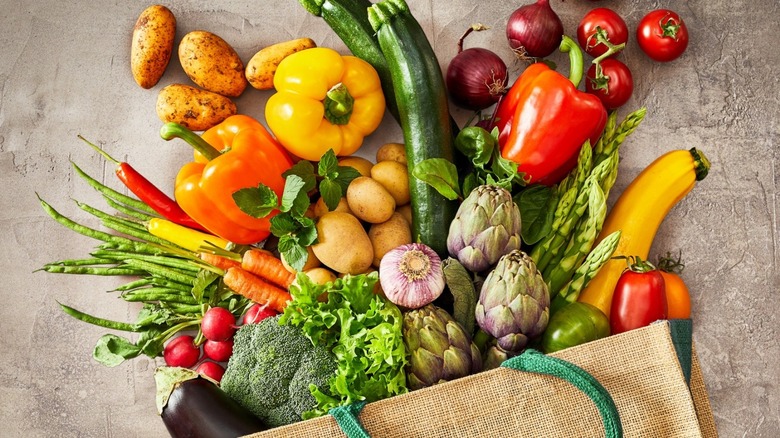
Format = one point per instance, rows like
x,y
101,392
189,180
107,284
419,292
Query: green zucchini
x,y
423,113
349,20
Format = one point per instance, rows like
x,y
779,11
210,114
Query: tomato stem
x,y
670,28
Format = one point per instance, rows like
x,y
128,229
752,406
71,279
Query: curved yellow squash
x,y
638,213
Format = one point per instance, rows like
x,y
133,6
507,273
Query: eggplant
x,y
195,407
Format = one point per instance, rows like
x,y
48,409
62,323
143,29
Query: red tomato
x,y
662,35
615,85
604,23
639,298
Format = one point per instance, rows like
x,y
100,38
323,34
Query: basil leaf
x,y
257,201
439,173
537,209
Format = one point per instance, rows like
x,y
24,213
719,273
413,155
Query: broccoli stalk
x,y
271,371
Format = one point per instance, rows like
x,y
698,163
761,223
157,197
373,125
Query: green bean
x,y
171,262
82,262
161,271
107,191
103,216
183,308
161,282
115,325
127,210
134,285
159,296
559,272
83,230
92,270
586,271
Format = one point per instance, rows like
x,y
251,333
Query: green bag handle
x,y
530,361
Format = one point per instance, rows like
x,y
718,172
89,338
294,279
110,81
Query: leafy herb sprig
x,y
295,230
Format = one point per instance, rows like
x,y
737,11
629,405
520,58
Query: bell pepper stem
x,y
173,130
569,46
338,104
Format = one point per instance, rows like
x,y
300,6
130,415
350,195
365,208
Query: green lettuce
x,y
362,329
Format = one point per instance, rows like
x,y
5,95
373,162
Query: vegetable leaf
x,y
282,224
331,193
345,175
291,197
537,209
476,144
463,292
305,170
328,163
112,350
257,201
203,279
294,253
441,174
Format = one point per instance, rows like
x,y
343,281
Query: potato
x,y
261,68
192,107
321,208
311,262
360,164
320,275
152,45
406,212
388,235
394,177
369,200
212,63
391,152
342,243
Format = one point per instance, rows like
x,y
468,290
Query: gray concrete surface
x,y
64,70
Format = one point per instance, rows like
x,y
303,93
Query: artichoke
x,y
514,302
486,226
439,348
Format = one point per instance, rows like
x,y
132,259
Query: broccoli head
x,y
271,369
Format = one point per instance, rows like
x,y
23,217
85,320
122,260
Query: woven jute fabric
x,y
639,369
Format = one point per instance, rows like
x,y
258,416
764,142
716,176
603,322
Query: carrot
x,y
264,264
218,261
256,289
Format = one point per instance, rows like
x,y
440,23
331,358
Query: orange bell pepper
x,y
204,188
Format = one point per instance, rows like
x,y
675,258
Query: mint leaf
x,y
344,176
293,252
305,170
328,163
307,234
331,193
282,224
293,187
439,173
257,201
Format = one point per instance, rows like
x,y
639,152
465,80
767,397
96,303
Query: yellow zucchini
x,y
638,213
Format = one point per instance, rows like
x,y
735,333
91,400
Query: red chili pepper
x,y
148,192
639,298
544,120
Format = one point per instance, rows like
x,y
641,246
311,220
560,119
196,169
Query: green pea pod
x,y
575,324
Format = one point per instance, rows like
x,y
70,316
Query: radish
x,y
212,370
257,313
218,351
181,352
218,324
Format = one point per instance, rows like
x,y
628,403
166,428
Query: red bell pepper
x,y
544,120
639,298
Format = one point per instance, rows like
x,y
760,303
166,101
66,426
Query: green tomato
x,y
575,324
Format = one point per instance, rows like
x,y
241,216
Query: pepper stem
x,y
173,130
338,104
575,59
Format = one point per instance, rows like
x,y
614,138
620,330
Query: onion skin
x,y
476,78
534,30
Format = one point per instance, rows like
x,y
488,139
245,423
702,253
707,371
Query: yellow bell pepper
x,y
324,101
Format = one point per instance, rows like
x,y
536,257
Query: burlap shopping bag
x,y
639,372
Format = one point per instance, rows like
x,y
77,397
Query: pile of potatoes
x,y
208,60
373,218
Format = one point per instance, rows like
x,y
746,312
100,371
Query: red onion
x,y
476,77
534,30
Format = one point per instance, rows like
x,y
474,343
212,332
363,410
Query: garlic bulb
x,y
411,275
